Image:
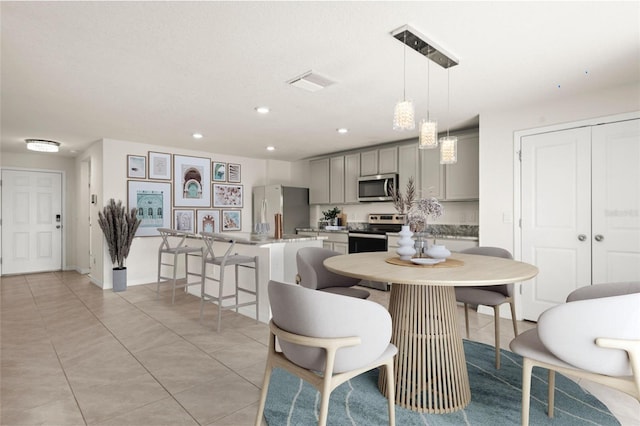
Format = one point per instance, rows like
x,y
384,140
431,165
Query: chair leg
x,y
175,271
527,366
263,393
159,270
203,283
257,274
512,304
496,321
324,401
391,393
466,318
552,392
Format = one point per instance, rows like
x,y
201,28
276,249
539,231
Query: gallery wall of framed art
x,y
188,193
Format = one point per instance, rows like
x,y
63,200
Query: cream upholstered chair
x,y
494,296
326,339
174,244
312,274
595,335
250,296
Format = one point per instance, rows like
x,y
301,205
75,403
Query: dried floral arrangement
x,y
403,203
119,228
417,211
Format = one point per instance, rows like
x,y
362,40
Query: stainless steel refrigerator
x,y
291,201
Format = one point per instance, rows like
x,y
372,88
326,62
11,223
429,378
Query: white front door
x,y
616,202
31,221
556,218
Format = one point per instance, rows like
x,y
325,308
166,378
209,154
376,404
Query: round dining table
x,y
430,368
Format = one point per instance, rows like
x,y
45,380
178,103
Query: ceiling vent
x,y
310,81
424,46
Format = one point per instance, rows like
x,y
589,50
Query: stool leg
x,y
221,283
202,285
159,269
175,268
237,285
257,272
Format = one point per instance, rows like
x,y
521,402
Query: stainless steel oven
x,y
374,238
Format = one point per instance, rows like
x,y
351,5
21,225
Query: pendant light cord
x,y
404,62
448,101
428,80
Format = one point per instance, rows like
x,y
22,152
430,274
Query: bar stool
x,y
228,259
168,236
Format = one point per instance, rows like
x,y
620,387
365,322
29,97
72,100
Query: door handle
x,y
599,237
58,226
582,237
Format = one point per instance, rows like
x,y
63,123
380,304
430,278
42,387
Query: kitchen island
x,y
277,261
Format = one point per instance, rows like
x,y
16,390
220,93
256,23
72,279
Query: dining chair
x,y
312,274
220,262
326,339
174,244
595,336
493,296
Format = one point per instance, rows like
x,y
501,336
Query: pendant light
x,y
448,144
403,113
428,138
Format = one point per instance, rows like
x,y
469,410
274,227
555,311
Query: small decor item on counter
x,y
278,231
331,216
406,248
438,251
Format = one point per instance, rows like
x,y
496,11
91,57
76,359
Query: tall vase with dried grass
x,y
119,227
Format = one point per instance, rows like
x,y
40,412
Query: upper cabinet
x,y
336,180
461,179
431,174
379,161
351,174
319,182
408,166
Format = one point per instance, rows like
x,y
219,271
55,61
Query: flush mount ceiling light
x,y
342,130
310,81
421,44
262,110
271,148
403,113
197,136
42,145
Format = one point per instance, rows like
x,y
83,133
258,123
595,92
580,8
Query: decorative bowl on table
x,y
426,261
438,251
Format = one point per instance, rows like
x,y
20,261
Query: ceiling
x,y
156,72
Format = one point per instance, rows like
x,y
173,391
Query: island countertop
x,y
257,240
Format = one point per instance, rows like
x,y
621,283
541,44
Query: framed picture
x,y
191,181
233,173
159,165
153,200
219,172
227,195
184,220
231,220
137,166
208,221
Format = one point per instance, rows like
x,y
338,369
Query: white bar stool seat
x,y
228,259
180,248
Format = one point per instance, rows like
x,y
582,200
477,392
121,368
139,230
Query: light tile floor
x,y
73,354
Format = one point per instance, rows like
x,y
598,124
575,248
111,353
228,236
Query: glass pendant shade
x,y
428,134
448,150
403,116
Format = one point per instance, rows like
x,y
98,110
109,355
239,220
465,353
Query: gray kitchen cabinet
x,y
319,182
369,163
461,179
408,166
351,174
336,241
388,160
379,161
431,174
336,180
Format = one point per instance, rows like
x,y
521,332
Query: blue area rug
x,y
495,398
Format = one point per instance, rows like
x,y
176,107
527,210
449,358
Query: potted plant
x,y
119,228
331,216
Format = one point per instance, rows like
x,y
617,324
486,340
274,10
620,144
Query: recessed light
x,y
262,110
197,136
342,130
271,148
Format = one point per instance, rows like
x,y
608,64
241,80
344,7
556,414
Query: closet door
x,y
556,216
616,202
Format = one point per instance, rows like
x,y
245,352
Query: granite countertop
x,y
450,232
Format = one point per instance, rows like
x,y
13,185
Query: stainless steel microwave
x,y
377,187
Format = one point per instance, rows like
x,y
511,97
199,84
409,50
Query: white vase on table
x,y
406,243
438,251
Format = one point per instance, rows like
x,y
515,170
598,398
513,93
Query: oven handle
x,y
376,236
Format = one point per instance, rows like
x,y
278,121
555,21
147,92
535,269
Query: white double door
x,y
31,221
580,203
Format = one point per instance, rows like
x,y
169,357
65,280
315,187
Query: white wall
x,y
53,162
497,153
